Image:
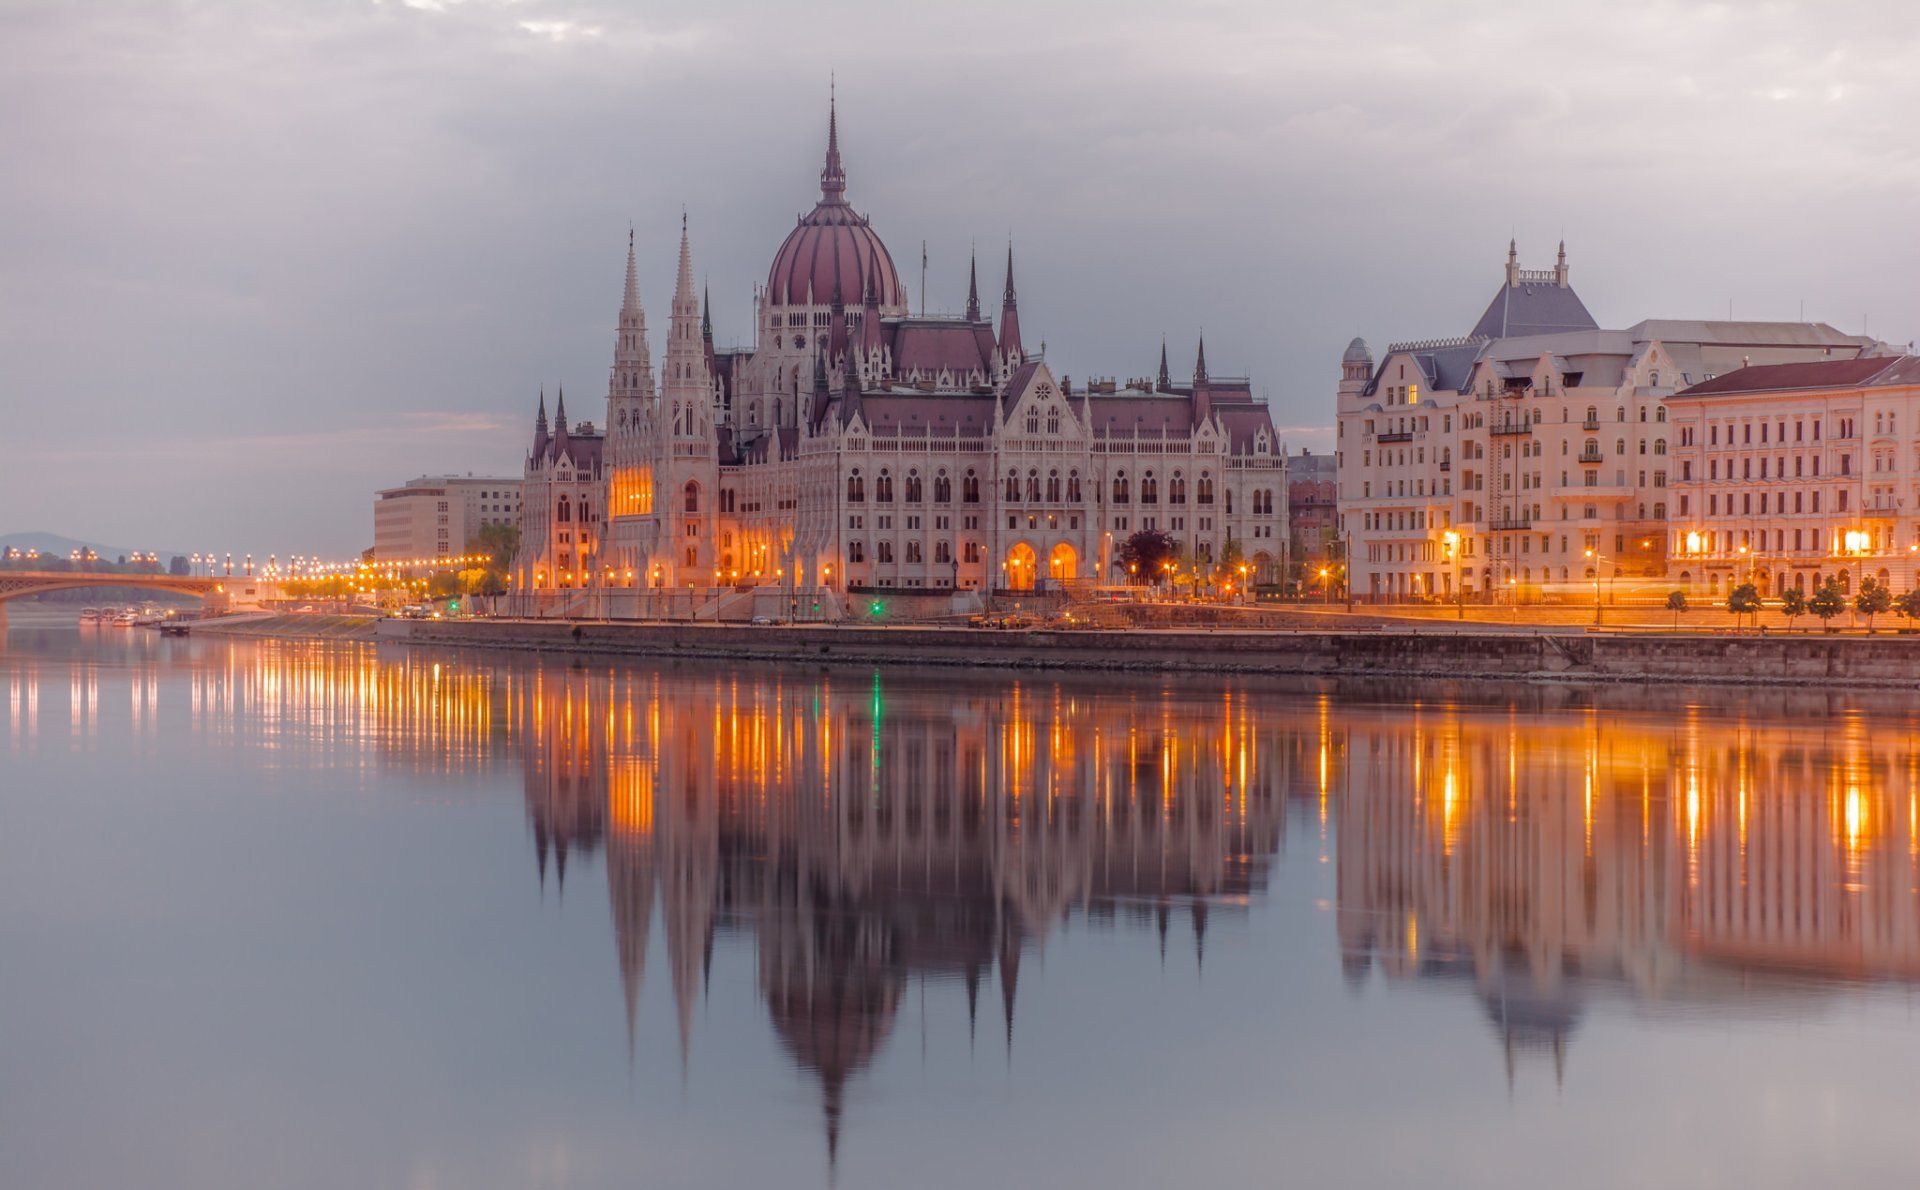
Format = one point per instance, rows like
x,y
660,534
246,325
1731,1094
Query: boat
x,y
91,615
125,619
174,628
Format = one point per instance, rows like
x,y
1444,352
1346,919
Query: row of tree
x,y
1827,601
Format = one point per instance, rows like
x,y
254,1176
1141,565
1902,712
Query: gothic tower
x,y
688,466
632,438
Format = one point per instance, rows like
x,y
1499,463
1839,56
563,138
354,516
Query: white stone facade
x,y
435,516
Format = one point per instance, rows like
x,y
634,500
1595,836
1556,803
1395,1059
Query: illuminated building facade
x,y
562,503
435,516
1790,474
858,444
1532,455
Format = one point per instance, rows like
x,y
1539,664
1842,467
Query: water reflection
x,y
1555,854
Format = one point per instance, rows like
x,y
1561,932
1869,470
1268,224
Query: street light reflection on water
x,y
475,919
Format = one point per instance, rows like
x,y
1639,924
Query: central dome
x,y
833,248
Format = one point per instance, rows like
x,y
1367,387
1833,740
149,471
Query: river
x,y
321,914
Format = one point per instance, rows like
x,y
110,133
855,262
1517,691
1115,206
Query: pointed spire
x,y
630,303
706,314
1010,316
1200,363
631,377
560,411
1513,263
833,180
540,418
1164,381
973,287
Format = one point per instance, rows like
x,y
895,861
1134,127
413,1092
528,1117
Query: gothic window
x,y
943,552
942,489
1149,489
1073,487
1053,487
883,487
970,551
1053,421
1033,486
913,551
1205,493
565,512
856,551
915,494
1033,421
883,552
693,496
1120,494
1013,486
856,489
970,488
1229,501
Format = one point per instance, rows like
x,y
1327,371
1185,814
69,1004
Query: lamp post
x,y
1597,560
1451,541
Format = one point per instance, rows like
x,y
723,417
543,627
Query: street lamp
x,y
1451,540
1594,557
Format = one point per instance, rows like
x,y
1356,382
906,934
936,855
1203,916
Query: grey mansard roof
x,y
1533,308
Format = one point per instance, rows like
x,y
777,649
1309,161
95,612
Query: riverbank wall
x,y
295,627
1811,660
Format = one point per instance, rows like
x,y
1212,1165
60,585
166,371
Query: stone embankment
x,y
302,627
1809,660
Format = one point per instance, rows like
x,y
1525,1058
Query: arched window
x,y
1013,487
970,487
1053,487
1205,493
856,488
1033,421
883,487
856,551
1120,493
1149,489
1176,489
1053,421
1033,486
564,513
1593,415
1660,414
1073,487
1659,446
942,489
693,496
914,493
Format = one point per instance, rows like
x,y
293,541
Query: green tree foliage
x,y
498,544
1873,599
1743,600
1828,602
1143,554
1677,604
1908,605
1793,604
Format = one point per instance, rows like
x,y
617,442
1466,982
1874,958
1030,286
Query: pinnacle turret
x,y
1163,382
833,179
1010,316
973,287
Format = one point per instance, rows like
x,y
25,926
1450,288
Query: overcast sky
x,y
257,260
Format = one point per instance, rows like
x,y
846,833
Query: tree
x,y
1908,605
1677,604
1743,600
1828,602
1145,554
1793,602
499,544
1874,598
178,565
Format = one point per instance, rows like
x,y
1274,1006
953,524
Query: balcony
x,y
1592,456
1399,436
1510,524
1505,428
1446,465
1590,425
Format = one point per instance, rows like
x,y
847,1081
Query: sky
x,y
260,260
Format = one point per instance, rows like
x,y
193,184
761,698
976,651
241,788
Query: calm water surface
x,y
330,915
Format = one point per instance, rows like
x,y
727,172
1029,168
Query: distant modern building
x,y
434,516
1789,474
1531,455
562,505
1313,512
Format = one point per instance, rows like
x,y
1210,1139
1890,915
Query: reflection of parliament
x,y
864,834
859,444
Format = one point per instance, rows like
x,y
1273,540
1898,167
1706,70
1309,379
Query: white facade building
x,y
434,516
1534,454
1791,474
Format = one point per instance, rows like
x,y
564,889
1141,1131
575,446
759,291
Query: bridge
x,y
16,584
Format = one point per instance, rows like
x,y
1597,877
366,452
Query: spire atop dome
x,y
833,179
973,287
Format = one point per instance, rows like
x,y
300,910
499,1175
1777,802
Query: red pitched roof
x,y
1830,373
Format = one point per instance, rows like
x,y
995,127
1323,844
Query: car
x,y
763,619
